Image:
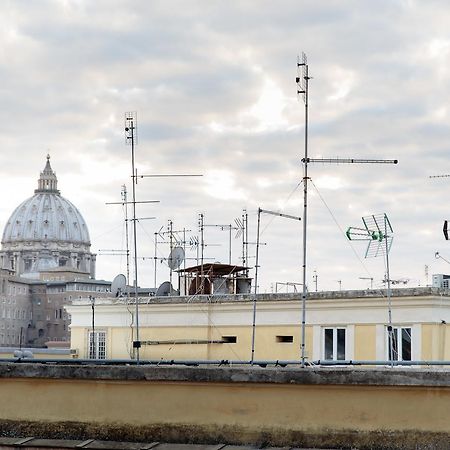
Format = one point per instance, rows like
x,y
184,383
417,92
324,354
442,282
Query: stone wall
x,y
328,408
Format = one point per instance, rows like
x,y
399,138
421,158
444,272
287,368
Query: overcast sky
x,y
213,84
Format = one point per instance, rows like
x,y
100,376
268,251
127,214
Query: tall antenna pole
x,y
302,83
125,205
256,287
130,138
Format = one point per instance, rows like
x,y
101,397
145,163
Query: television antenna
x,y
302,81
125,204
287,284
273,213
131,138
378,233
368,279
230,229
242,224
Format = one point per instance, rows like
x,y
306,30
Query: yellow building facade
x,y
340,326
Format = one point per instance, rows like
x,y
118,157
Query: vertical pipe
x,y
305,215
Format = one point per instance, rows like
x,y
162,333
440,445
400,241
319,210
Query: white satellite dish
x,y
176,258
118,285
165,290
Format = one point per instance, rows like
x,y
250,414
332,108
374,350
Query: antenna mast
x,y
302,84
302,81
131,139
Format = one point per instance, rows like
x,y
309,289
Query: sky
x,y
213,85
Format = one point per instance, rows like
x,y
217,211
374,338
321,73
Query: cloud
x,y
214,87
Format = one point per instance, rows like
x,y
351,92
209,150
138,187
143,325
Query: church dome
x,y
45,232
46,216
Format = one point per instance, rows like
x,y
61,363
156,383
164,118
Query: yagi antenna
x,y
378,233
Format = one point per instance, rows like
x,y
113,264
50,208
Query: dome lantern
x,y
47,181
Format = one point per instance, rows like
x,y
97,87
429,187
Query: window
x,y
287,339
399,344
229,339
334,344
97,345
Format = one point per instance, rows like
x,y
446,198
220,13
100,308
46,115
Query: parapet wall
x,y
364,408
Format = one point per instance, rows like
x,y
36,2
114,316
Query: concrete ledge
x,y
260,407
186,437
307,376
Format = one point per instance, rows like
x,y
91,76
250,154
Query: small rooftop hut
x,y
214,279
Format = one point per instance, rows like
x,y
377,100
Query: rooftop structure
x,y
215,279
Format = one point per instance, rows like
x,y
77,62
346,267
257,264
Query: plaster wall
x,y
254,404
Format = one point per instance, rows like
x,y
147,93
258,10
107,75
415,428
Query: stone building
x,y
46,231
46,262
340,326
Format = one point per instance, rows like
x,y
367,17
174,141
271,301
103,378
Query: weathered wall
x,y
278,406
267,347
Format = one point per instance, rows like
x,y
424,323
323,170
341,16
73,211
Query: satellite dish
x,y
118,285
176,257
165,289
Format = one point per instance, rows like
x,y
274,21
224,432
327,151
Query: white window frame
x,y
96,349
398,331
335,345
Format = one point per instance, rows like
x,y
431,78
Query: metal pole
x,y
305,216
257,251
156,259
124,194
229,258
391,331
256,286
134,179
202,243
171,247
94,350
